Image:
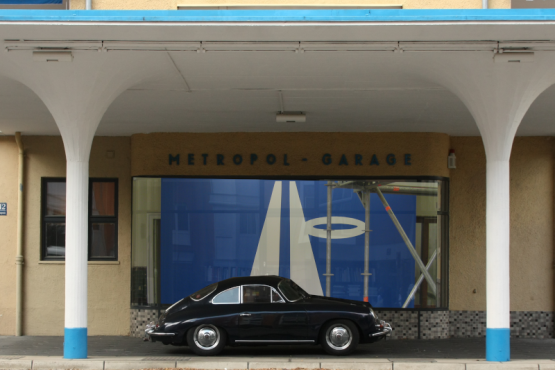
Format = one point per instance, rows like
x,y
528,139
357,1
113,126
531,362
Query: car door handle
x,y
245,314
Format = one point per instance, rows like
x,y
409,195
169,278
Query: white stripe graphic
x,y
303,265
266,261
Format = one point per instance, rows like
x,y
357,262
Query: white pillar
x,y
77,231
498,226
498,96
77,94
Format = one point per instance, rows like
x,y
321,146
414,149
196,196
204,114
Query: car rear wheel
x,y
339,337
206,340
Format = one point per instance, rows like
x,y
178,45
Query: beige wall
x,y
8,233
532,214
109,294
172,4
532,238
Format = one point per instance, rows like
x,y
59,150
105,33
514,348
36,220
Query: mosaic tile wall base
x,y
524,324
140,317
433,324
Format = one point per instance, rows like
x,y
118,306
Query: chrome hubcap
x,y
207,337
339,337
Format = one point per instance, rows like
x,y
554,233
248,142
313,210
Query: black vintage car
x,y
266,310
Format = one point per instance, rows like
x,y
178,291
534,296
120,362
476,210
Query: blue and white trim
x,y
75,343
267,15
498,346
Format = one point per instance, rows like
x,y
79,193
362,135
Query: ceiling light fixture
x,y
290,117
513,57
52,56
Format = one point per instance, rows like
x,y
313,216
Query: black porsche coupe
x,y
266,310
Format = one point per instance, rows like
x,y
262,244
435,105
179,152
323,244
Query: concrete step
x,y
123,363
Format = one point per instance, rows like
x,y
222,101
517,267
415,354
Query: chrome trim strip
x,y
273,341
296,300
153,333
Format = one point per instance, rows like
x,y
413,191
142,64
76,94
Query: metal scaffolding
x,y
363,189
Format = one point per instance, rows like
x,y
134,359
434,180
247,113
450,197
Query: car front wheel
x,y
339,337
206,340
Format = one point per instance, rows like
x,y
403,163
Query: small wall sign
x,y
3,209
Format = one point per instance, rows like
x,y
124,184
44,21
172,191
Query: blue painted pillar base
x,y
75,343
498,345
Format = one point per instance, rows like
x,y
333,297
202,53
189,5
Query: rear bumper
x,y
384,329
153,335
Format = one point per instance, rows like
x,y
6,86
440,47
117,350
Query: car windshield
x,y
204,292
292,291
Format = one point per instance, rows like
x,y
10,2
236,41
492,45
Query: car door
x,y
266,317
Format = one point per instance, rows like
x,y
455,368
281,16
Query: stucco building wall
x,y
8,233
173,4
532,237
109,295
532,213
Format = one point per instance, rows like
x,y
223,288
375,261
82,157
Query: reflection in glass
x,y
214,229
103,198
257,294
103,240
145,254
230,296
55,198
55,239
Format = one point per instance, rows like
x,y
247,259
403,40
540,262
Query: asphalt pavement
x,y
109,346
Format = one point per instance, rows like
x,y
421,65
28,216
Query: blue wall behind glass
x,y
211,229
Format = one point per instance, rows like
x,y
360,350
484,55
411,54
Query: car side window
x,y
276,298
230,296
257,294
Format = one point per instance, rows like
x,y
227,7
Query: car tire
x,y
206,340
339,337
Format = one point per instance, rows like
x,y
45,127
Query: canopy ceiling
x,y
224,76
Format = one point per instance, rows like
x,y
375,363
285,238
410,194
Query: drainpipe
x,y
484,4
89,5
19,255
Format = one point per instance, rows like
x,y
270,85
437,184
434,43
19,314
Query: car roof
x,y
271,280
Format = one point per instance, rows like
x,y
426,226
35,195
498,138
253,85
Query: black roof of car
x,y
271,280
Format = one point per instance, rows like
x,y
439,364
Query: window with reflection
x,y
102,219
257,294
230,296
192,232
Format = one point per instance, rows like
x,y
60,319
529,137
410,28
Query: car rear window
x,y
289,291
204,292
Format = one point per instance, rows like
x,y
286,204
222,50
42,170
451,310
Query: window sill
x,y
90,262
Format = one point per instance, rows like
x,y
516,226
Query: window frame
x,y
443,221
103,219
48,219
240,296
91,219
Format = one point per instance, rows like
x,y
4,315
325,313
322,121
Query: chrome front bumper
x,y
385,329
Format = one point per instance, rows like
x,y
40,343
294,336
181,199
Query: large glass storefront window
x,y
387,242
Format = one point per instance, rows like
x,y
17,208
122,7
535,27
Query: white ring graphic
x,y
336,234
